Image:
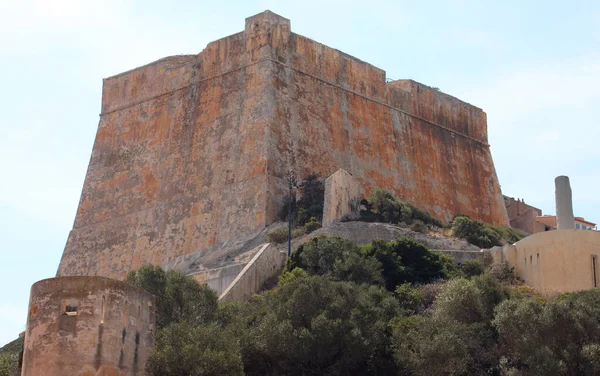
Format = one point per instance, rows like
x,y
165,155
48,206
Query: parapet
x,y
88,326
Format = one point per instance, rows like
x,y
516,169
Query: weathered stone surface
x,y
564,204
88,326
342,197
192,151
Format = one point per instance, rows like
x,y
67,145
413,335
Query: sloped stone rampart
x,y
266,265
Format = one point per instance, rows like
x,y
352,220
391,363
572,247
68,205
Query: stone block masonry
x,y
192,151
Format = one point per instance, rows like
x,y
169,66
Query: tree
x,y
185,349
336,258
316,326
404,260
178,297
559,337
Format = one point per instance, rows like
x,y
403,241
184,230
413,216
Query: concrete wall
x,y
266,264
221,278
88,325
558,261
342,197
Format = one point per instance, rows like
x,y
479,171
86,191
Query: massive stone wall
x,y
192,151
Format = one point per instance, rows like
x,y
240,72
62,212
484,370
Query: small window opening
x,y
69,307
71,310
531,259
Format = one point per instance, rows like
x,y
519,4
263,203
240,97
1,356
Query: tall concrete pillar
x,y
564,204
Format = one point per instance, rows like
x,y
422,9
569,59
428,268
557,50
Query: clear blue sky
x,y
533,66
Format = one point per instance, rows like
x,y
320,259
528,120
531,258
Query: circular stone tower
x,y
88,326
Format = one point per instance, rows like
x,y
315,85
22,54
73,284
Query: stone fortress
x,y
192,152
189,168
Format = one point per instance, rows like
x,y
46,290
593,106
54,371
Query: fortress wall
x,y
320,126
192,152
176,173
80,325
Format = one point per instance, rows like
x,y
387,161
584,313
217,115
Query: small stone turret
x,y
565,220
88,326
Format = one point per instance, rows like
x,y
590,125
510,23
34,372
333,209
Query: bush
x,y
335,258
186,349
418,226
470,301
477,233
409,297
472,268
405,260
429,345
278,236
310,205
315,326
503,272
287,276
389,209
9,364
311,225
178,297
558,337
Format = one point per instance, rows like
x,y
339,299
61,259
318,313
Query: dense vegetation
x,y
10,356
382,206
481,234
387,308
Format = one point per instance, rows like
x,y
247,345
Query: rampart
x,y
192,151
88,326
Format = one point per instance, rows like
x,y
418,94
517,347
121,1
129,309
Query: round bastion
x,y
88,326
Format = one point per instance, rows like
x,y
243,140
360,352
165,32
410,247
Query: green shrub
x,y
404,260
503,272
430,345
418,226
409,297
287,276
178,297
558,337
185,349
470,301
316,326
311,225
278,236
9,364
383,207
336,258
479,234
312,200
472,268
